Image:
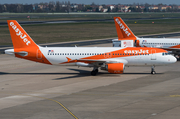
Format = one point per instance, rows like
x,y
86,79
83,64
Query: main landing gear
x,y
94,71
152,70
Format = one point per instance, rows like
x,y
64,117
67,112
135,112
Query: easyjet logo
x,y
123,27
137,51
20,34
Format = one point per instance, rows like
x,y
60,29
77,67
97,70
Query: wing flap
x,y
171,48
96,62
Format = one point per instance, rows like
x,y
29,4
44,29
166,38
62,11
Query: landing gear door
x,y
153,54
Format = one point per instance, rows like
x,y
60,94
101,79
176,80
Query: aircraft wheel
x,y
153,72
96,70
93,73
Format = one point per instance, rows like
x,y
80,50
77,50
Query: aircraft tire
x,y
153,72
93,73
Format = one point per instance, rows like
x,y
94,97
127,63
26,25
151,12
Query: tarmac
x,y
30,90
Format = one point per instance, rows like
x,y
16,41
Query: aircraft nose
x,y
172,59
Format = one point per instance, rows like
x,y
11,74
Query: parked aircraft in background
x,y
124,33
112,59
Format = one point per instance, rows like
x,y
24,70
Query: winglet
x,y
123,31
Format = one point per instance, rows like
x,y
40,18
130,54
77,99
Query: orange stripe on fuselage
x,y
175,46
126,52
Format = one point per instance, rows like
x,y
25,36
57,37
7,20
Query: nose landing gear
x,y
152,70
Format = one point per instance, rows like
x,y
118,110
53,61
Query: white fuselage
x,y
59,55
108,58
159,42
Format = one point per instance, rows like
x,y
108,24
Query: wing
x,y
173,49
97,62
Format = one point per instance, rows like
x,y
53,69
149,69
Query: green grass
x,y
80,16
63,32
46,33
156,21
141,27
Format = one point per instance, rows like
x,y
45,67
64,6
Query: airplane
x,y
111,59
124,33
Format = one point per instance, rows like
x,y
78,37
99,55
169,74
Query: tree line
x,y
68,7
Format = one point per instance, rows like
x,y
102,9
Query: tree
x,y
52,6
57,6
28,8
93,4
109,9
1,8
97,9
12,8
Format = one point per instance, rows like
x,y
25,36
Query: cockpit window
x,y
165,54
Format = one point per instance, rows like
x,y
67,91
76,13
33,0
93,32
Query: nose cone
x,y
172,59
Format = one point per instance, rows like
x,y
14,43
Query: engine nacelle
x,y
115,68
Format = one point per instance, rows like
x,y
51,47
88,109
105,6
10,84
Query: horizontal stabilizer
x,y
11,52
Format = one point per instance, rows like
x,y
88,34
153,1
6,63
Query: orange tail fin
x,y
19,36
123,31
24,46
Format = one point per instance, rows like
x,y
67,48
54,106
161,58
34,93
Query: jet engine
x,y
115,68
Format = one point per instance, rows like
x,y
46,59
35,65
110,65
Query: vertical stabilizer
x,y
123,31
19,36
24,46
